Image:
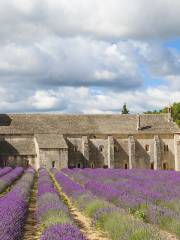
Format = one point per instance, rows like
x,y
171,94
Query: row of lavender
x,y
152,195
14,206
52,214
9,177
106,216
5,170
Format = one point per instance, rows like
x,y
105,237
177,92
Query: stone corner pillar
x,y
110,152
63,163
132,152
157,152
177,151
37,159
85,148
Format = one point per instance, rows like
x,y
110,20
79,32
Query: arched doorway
x,y
152,166
125,166
53,164
92,165
79,165
165,166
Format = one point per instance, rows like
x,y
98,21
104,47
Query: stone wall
x,y
177,151
118,151
121,153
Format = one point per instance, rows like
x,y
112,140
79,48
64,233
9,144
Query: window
x,y
166,148
125,166
101,148
152,166
147,148
75,148
165,166
116,148
53,164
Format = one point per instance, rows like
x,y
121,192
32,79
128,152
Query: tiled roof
x,y
85,124
20,146
50,141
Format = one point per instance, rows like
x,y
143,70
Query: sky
x,y
89,56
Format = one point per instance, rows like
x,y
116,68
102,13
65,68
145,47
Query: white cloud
x,y
87,56
43,100
98,18
84,100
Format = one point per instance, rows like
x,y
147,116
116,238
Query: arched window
x,y
27,163
75,148
152,166
147,148
166,148
101,147
116,148
125,166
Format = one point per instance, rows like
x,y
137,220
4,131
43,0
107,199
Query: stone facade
x,y
109,141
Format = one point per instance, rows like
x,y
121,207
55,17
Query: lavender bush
x,y
13,207
117,223
7,179
52,213
147,194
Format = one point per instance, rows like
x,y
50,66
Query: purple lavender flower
x,y
13,207
7,179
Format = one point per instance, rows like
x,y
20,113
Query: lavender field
x,y
82,204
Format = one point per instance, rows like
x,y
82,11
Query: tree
x,y
125,109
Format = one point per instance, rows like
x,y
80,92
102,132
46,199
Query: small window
x,y
147,148
75,148
53,164
166,148
152,166
125,166
116,148
165,166
101,147
27,163
94,137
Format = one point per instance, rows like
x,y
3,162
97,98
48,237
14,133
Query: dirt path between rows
x,y
83,222
31,228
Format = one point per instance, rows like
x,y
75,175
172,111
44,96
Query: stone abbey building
x,y
109,141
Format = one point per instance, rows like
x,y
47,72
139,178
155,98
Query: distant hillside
x,y
175,112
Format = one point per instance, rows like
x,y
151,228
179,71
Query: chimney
x,y
138,122
169,113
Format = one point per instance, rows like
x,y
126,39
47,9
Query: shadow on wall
x,y
121,157
6,150
75,157
96,156
142,156
5,120
167,156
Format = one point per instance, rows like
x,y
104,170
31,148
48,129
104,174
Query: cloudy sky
x,y
89,56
